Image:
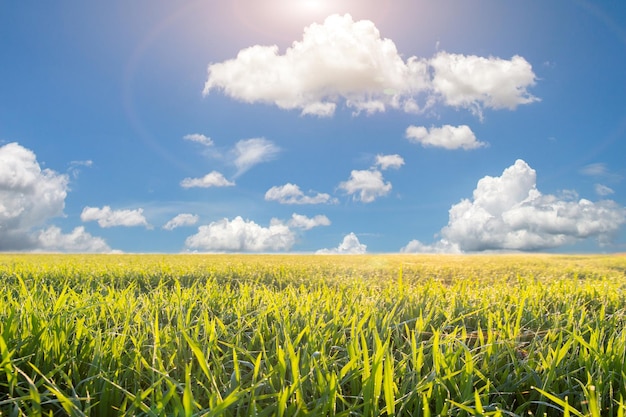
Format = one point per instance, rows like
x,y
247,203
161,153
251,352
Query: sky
x,y
313,126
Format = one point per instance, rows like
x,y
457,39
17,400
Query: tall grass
x,y
312,335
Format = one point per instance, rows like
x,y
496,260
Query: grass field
x,y
273,335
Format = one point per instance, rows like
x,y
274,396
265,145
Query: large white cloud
x,y
291,194
448,137
349,245
344,60
29,198
475,82
509,213
212,179
239,235
180,220
106,217
366,185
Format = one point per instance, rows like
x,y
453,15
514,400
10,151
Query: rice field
x,y
304,335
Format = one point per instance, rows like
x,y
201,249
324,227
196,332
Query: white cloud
x,y
212,179
448,137
366,185
291,194
241,235
199,138
111,218
603,190
389,161
509,213
300,221
250,152
346,60
441,246
183,219
29,197
595,170
475,82
349,245
53,240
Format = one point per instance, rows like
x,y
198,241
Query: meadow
x,y
296,335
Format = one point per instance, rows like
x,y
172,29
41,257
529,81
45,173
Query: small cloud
x,y
603,190
212,179
250,152
595,170
447,137
199,138
291,194
389,161
366,185
349,245
106,217
183,219
300,221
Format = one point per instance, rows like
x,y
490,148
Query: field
x,y
273,335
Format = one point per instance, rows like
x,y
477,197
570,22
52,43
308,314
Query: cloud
x,y
441,246
212,179
199,138
509,213
366,185
595,170
344,60
389,161
300,221
475,82
111,218
291,194
183,219
241,235
349,245
448,137
53,240
250,152
603,190
29,198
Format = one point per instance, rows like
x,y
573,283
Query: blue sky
x,y
338,126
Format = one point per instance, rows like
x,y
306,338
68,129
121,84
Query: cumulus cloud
x,y
291,194
239,235
366,185
212,179
180,220
349,245
448,137
475,82
509,213
30,197
199,138
53,239
250,152
344,60
300,221
389,161
106,217
441,246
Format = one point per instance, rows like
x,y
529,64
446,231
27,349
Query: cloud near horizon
x,y
509,213
349,245
29,198
342,60
239,235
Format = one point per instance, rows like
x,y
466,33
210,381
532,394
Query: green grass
x,y
255,335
